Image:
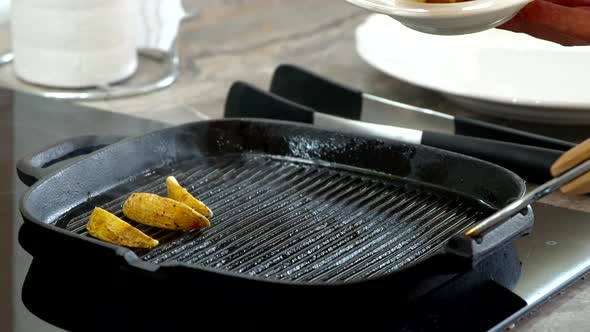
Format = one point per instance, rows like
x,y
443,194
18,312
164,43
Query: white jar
x,y
74,43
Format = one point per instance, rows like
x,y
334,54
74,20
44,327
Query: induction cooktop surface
x,y
554,256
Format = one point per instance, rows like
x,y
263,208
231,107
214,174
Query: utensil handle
x,y
37,165
317,92
573,168
570,159
327,96
530,162
533,196
470,127
247,101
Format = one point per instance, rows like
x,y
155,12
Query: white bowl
x,y
446,18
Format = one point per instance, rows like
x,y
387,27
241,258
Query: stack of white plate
x,y
499,72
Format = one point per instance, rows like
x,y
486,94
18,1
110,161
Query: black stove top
x,y
35,299
27,124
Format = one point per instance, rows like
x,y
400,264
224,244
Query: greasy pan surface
x,y
292,203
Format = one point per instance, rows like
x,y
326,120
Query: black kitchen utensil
x,y
298,211
532,163
326,96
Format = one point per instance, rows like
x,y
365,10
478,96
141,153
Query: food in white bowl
x,y
446,18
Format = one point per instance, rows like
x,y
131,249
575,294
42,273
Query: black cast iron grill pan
x,y
294,205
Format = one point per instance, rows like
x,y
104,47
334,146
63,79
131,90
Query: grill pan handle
x,y
37,165
477,249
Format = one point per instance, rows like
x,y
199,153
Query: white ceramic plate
x,y
495,71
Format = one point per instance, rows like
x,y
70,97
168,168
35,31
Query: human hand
x,y
566,22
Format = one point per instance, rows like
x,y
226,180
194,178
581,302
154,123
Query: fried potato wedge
x,y
106,226
180,194
153,210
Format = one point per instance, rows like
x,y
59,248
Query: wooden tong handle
x,y
570,159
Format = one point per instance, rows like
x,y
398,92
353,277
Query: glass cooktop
x,y
554,256
27,124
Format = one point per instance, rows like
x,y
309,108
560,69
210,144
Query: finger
x,y
541,32
547,20
545,33
571,3
515,24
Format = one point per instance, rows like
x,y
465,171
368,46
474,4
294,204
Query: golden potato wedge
x,y
106,226
180,194
153,210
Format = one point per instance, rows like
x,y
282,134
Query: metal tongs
x,y
571,172
530,162
335,98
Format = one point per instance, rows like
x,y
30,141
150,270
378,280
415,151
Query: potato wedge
x,y
180,194
106,226
153,210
